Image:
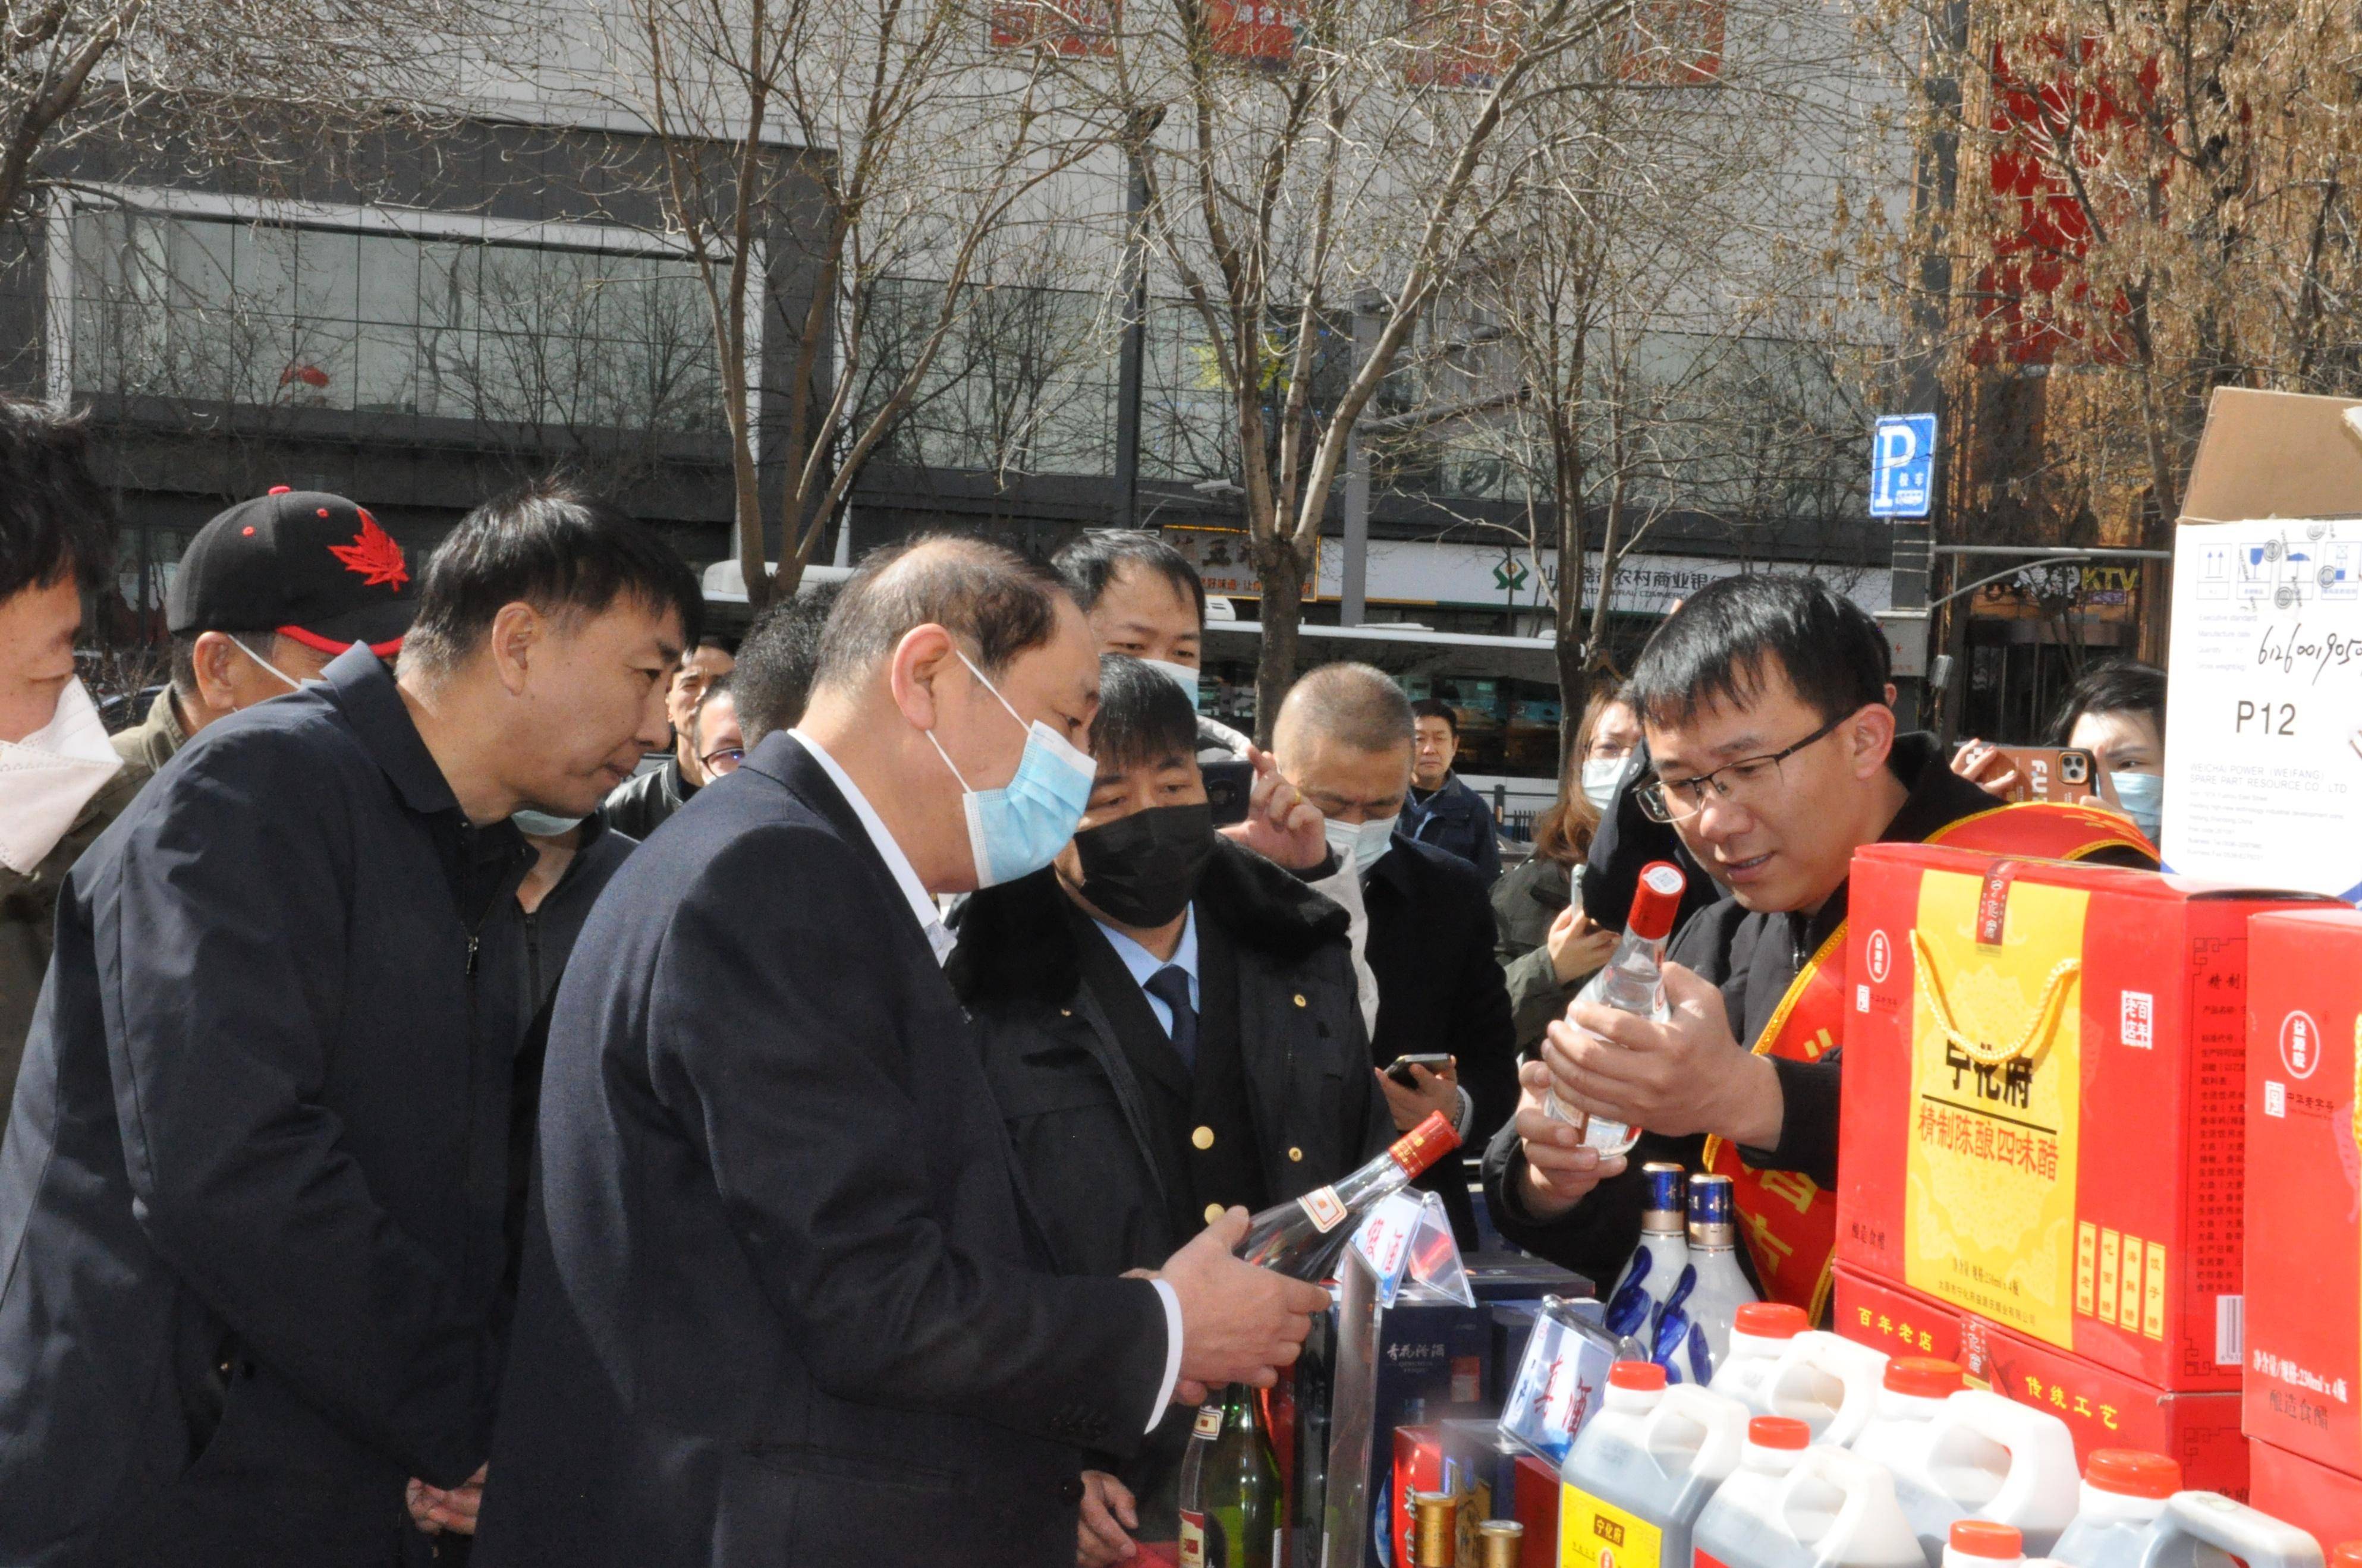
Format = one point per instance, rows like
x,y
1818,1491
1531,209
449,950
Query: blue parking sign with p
x,y
1902,465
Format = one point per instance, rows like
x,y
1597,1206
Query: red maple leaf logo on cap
x,y
374,555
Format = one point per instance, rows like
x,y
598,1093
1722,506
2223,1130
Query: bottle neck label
x,y
1193,1539
1209,1421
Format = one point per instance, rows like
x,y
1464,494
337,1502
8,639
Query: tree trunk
x,y
1281,566
1573,648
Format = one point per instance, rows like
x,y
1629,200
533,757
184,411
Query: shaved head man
x,y
1343,741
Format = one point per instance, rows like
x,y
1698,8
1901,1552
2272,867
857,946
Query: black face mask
x,y
1143,871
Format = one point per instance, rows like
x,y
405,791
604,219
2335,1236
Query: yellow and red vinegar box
x,y
2041,1127
2103,1407
2304,1266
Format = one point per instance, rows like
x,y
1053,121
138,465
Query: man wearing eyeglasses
x,y
1774,756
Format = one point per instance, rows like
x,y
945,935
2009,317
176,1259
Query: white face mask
x,y
293,684
1599,777
1361,845
543,824
49,776
1181,675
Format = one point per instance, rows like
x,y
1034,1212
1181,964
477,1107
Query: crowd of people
x,y
424,1146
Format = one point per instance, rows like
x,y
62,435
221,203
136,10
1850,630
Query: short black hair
x,y
985,593
719,686
1090,564
2120,686
775,663
562,550
1733,636
56,519
1437,708
1144,719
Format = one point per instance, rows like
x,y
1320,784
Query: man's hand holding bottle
x,y
1239,1323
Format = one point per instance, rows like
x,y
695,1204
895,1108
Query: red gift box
x,y
2304,1266
2041,1122
2314,1497
2102,1406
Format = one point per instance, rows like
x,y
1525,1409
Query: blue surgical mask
x,y
1599,778
1018,829
1362,843
1181,675
2142,795
543,824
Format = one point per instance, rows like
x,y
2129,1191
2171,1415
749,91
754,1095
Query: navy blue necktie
x,y
1170,986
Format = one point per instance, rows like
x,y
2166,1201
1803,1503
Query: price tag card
x,y
1409,1236
1558,1382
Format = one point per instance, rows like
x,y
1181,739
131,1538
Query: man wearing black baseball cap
x,y
266,594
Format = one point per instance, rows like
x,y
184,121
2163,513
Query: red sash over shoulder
x,y
1789,1222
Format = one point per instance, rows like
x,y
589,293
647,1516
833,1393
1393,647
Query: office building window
x,y
207,310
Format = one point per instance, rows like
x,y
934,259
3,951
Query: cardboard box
x,y
2314,1497
1499,1480
1426,1360
2262,774
1419,1467
2041,1123
2102,1406
2304,1303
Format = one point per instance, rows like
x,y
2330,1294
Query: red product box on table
x,y
2041,1124
2325,1503
2304,1303
2103,1407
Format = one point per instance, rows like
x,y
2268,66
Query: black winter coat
x,y
783,1302
1431,949
252,1194
1458,821
1076,1110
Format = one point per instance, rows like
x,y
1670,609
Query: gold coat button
x,y
1213,1213
1297,1154
1300,1001
1203,1137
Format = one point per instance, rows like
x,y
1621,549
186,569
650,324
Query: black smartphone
x,y
1228,787
1433,1060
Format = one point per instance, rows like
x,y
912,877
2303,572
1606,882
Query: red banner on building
x,y
1074,27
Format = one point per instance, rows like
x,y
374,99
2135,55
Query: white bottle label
x,y
1193,1539
1322,1208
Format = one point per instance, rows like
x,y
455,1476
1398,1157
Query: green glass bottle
x,y
1232,1508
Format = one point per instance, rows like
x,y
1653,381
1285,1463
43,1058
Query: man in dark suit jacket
x,y
253,1196
783,1300
1343,741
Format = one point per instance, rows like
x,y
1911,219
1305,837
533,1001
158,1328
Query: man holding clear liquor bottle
x,y
784,1296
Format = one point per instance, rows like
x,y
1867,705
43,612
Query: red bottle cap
x,y
1771,1320
1924,1376
1982,1538
1645,1376
1779,1431
2347,1554
1424,1144
1656,900
2129,1473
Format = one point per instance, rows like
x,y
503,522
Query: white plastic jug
x,y
2124,1495
2195,1521
1910,1392
1832,1509
1744,1505
1828,1382
1760,1332
1644,1469
1985,1457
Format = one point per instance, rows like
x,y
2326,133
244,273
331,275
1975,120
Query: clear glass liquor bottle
x,y
1632,981
1304,1238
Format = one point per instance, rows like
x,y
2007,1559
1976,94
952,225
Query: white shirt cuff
x,y
1171,1351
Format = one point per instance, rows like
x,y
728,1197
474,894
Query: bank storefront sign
x,y
1488,577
